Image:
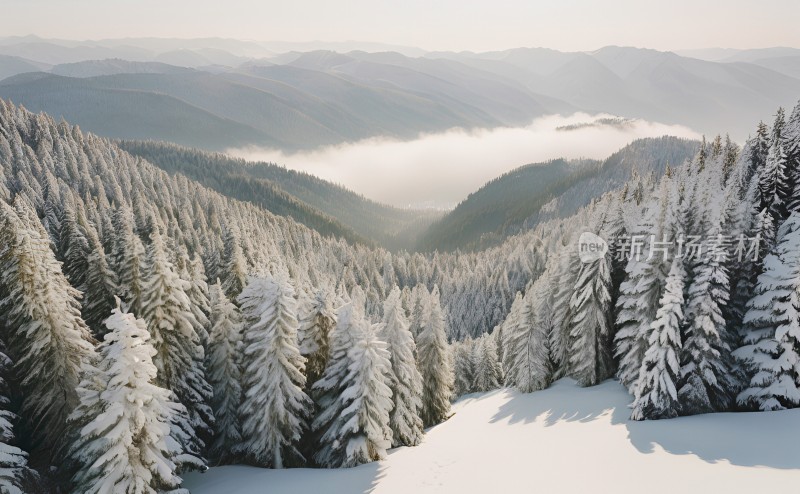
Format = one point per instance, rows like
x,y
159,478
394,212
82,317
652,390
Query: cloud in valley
x,y
440,170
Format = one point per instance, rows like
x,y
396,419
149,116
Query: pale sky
x,y
476,25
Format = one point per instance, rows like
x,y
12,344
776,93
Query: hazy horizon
x,y
445,25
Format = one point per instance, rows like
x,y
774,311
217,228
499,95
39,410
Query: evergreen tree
x,y
101,289
199,297
488,372
124,417
656,391
167,310
590,352
463,367
434,364
224,374
638,304
234,269
771,350
706,380
15,476
527,343
404,380
47,339
354,397
791,148
275,407
314,335
74,248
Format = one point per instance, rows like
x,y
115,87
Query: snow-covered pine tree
x,y
48,340
488,371
15,476
791,148
421,298
773,183
706,380
314,335
98,300
638,301
223,363
527,345
463,367
167,310
73,248
199,297
569,266
590,351
128,260
234,264
353,395
771,351
275,407
512,327
434,364
124,418
404,380
656,391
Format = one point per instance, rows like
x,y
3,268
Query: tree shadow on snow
x,y
564,401
755,439
758,439
251,480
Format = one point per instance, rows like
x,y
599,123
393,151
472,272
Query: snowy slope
x,y
564,439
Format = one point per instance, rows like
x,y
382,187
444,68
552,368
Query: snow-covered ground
x,y
564,439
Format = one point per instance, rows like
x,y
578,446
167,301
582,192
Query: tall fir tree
x,y
314,335
179,356
225,375
98,300
590,352
771,350
124,418
48,340
15,475
405,380
354,398
275,407
488,371
434,363
234,264
657,388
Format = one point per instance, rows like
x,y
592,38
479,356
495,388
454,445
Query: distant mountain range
x,y
218,93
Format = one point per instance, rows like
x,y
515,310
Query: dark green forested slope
x,y
518,198
319,204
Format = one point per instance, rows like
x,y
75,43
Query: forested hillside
x,y
144,315
528,195
326,207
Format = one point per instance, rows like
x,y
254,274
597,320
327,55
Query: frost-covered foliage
x,y
275,408
88,216
15,476
223,362
179,356
657,388
353,395
47,339
405,380
434,363
315,331
124,418
772,347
